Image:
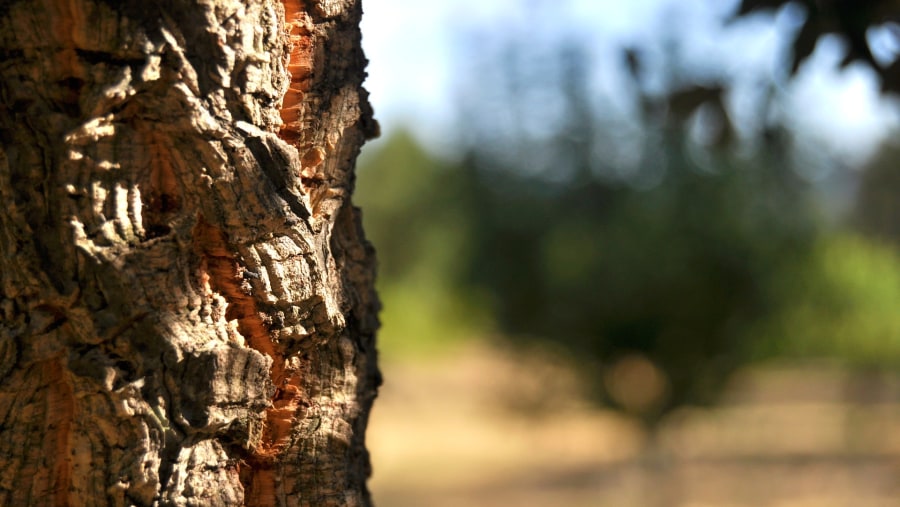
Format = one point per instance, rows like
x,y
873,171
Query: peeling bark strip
x,y
187,313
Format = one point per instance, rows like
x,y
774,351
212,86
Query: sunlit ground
x,y
477,427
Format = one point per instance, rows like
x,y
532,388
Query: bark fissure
x,y
223,272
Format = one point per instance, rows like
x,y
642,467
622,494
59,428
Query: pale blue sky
x,y
415,63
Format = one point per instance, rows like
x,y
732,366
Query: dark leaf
x,y
748,6
804,44
890,77
633,62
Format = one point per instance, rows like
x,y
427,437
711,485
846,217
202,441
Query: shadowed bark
x,y
187,313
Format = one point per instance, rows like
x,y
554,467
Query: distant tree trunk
x,y
187,314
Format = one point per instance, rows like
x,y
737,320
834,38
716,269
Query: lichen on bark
x,y
187,313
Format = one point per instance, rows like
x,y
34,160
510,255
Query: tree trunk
x,y
187,313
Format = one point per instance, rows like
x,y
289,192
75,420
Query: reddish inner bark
x,y
224,277
280,418
60,413
300,65
220,267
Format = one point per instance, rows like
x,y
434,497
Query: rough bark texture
x,y
187,313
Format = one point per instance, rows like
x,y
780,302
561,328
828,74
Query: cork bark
x,y
187,313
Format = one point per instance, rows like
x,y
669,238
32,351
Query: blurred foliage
x,y
414,212
657,248
840,304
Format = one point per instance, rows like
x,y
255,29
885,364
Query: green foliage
x,y
841,304
415,214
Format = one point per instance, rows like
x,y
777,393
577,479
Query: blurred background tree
x,y
648,270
